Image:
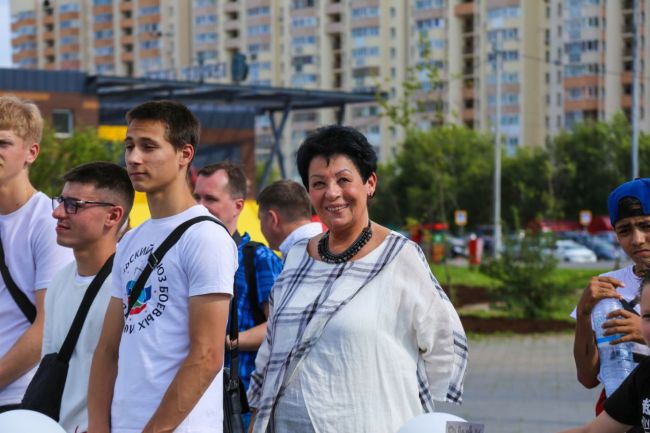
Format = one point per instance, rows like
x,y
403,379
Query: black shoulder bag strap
x,y
82,312
234,392
157,256
21,299
251,281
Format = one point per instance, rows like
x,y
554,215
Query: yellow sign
x,y
111,133
248,221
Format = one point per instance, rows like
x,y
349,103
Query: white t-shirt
x,y
155,339
33,257
62,301
631,290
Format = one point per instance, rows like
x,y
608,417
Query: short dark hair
x,y
181,125
237,184
289,198
105,175
337,140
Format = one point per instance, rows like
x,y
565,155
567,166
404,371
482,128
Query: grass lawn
x,y
471,277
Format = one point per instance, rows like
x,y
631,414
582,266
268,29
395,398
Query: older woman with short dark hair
x,y
361,337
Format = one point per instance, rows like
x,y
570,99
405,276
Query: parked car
x,y
567,250
456,246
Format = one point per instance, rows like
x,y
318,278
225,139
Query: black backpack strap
x,y
251,281
82,312
156,257
21,299
233,334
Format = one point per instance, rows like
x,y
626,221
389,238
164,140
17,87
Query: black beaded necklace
x,y
329,257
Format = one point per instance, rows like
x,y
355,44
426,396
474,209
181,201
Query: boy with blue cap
x,y
629,212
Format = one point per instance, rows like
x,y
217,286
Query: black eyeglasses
x,y
72,205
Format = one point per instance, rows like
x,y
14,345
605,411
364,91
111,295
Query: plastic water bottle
x,y
616,360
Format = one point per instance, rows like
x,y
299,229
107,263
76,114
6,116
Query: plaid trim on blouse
x,y
281,355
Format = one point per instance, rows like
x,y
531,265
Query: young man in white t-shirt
x,y
160,368
93,206
629,212
30,250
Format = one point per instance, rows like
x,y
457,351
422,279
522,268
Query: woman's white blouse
x,y
381,359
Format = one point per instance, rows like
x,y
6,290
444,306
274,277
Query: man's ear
x,y
275,217
114,217
239,205
33,150
186,155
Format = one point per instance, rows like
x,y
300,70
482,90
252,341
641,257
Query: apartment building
x,y
591,52
558,61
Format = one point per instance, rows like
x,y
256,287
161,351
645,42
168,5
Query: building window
x,y
149,10
103,18
70,24
69,7
104,34
259,29
259,11
302,22
365,12
63,122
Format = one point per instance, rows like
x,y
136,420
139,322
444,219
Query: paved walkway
x,y
518,384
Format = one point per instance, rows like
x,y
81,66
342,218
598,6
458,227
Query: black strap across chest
x,y
21,299
82,312
156,257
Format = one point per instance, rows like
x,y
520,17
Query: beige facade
x,y
562,61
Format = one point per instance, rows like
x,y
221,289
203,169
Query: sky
x,y
5,37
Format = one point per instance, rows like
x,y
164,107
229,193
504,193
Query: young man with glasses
x,y
94,205
159,369
31,254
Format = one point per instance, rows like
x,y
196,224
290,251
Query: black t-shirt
x,y
630,403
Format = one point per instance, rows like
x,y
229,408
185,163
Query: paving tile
x,y
518,384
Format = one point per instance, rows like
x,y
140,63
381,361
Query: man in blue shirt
x,y
222,188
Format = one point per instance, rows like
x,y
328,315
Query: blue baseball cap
x,y
638,189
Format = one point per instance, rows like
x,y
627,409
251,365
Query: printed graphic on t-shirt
x,y
152,301
645,417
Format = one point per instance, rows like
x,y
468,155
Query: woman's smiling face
x,y
338,193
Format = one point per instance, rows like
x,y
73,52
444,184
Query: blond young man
x,y
159,369
31,253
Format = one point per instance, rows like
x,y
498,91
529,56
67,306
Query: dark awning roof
x,y
260,98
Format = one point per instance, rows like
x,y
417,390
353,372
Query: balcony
x,y
231,25
231,6
464,9
467,114
127,40
334,28
468,93
334,8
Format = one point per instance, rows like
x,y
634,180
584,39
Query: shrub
x,y
525,270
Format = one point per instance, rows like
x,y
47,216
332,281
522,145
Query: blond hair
x,y
22,117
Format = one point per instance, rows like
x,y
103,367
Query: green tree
x,y
526,190
589,162
438,171
384,205
59,155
